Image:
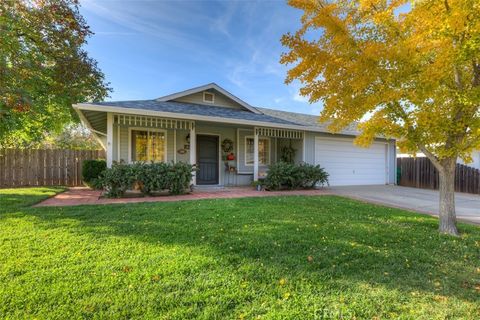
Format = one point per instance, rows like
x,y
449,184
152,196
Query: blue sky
x,y
148,49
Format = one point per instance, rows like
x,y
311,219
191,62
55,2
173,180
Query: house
x,y
231,141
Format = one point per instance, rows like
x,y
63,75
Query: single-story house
x,y
231,141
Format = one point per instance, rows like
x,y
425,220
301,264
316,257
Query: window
x,y
263,151
208,97
148,145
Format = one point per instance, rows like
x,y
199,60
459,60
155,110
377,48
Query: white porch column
x,y
193,152
303,148
255,155
109,139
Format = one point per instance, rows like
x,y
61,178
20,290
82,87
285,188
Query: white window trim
x,y
213,97
130,129
269,151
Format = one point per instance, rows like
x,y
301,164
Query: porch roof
x,y
193,109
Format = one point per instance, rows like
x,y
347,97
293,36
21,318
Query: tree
x,y
73,136
43,68
403,69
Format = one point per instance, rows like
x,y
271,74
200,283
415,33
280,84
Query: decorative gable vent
x,y
208,97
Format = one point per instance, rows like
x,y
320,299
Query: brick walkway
x,y
81,196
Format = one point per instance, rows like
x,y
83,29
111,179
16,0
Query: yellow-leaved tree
x,y
408,70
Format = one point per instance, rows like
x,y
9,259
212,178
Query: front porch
x,y
131,138
87,196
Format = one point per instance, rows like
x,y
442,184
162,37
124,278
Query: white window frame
x,y
130,129
269,151
213,97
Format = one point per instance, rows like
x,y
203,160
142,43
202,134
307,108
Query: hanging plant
x,y
227,146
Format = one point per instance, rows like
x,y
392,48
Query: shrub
x,y
91,170
282,175
179,177
117,179
150,177
154,177
309,175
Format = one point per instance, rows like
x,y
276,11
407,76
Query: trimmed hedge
x,y
283,175
91,171
149,177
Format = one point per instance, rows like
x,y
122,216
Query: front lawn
x,y
321,257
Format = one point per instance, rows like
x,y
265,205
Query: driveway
x,y
420,200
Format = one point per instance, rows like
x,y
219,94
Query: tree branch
x,y
432,157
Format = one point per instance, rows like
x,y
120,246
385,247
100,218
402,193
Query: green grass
x,y
227,259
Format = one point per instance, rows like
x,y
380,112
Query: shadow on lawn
x,y
351,243
23,197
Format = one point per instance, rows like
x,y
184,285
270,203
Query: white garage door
x,y
348,164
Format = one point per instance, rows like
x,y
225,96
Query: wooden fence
x,y
421,173
37,167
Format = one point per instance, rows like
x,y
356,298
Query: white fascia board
x,y
206,87
183,116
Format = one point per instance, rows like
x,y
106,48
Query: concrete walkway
x,y
81,196
421,200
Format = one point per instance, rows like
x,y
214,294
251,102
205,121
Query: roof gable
x,y
223,98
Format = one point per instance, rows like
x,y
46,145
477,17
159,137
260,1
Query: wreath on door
x,y
227,145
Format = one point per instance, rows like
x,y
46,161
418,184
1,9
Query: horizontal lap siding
x,y
309,147
180,145
220,100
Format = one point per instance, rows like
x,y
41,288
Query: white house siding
x,y
310,147
181,141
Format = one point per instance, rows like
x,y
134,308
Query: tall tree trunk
x,y
447,197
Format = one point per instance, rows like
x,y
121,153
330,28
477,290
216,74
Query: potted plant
x,y
258,185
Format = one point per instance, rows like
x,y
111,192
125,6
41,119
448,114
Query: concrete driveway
x,y
420,200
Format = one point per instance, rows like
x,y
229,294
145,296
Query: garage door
x,y
348,164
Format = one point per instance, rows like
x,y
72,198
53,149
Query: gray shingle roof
x,y
269,115
195,109
306,120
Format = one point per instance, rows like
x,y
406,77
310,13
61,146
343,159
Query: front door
x,y
207,159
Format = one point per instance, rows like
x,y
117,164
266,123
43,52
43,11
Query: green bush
x,y
117,179
283,175
91,170
308,175
154,177
179,177
150,177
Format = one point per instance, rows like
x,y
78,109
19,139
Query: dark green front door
x,y
207,159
